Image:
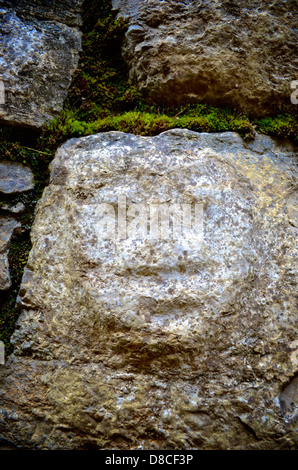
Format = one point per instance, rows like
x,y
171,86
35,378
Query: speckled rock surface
x,y
17,208
8,227
64,11
235,53
159,343
38,55
15,178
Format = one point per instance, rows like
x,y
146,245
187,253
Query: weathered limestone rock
x,y
15,178
64,11
8,227
38,55
152,340
235,53
17,208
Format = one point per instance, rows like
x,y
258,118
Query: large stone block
x,y
38,55
240,54
133,333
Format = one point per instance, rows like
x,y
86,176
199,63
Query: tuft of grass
x,y
18,255
100,84
138,122
283,126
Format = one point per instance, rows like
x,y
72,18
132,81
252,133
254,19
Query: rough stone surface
x,y
38,55
17,208
240,54
8,227
15,178
64,11
159,343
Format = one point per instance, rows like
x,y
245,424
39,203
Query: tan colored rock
x,y
141,341
240,54
8,227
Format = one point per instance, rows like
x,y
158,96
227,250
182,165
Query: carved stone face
x,y
164,285
136,284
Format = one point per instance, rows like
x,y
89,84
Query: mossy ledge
x,y
101,98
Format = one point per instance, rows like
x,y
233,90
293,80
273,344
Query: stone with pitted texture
x,y
15,178
239,54
174,342
8,227
39,51
65,11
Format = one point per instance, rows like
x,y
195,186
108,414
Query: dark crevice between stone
x,y
7,445
248,429
21,146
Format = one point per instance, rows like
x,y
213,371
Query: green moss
x,y
100,84
68,125
283,126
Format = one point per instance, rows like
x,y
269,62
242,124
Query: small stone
x,y
15,209
15,178
8,227
5,281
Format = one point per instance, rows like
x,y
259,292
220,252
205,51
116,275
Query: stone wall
x,y
137,328
159,340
